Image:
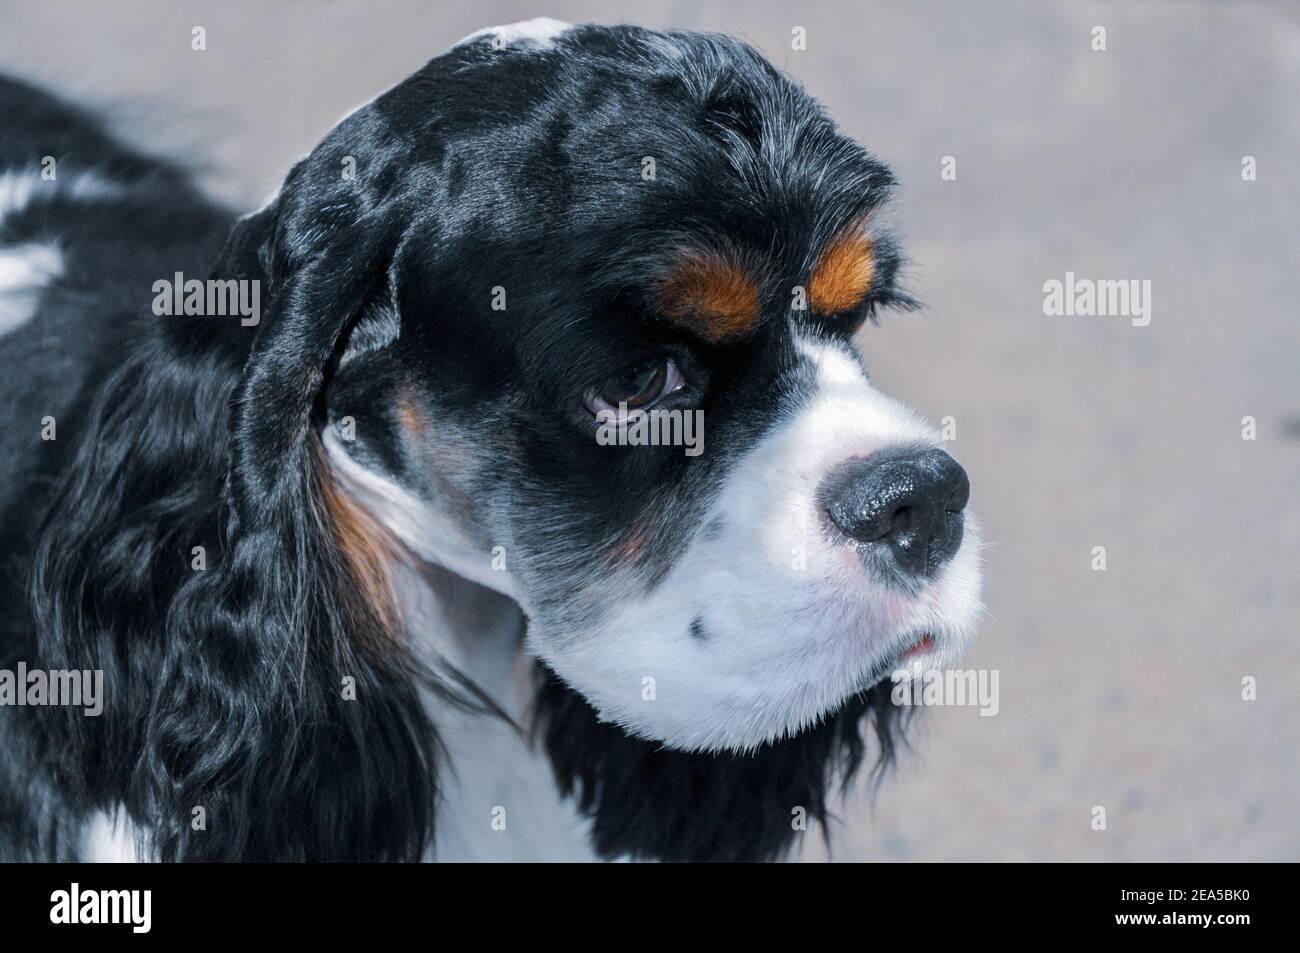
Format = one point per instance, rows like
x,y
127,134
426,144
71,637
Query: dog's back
x,y
86,227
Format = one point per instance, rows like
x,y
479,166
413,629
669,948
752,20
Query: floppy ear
x,y
304,731
262,707
315,292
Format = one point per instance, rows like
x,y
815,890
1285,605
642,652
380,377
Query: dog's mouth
x,y
911,651
922,645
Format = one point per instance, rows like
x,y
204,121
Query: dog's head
x,y
477,288
543,233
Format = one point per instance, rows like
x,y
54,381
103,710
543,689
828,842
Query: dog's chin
x,y
901,657
648,800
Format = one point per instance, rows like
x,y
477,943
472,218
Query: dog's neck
x,y
455,609
452,622
459,613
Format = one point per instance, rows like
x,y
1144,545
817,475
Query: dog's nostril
x,y
909,501
901,520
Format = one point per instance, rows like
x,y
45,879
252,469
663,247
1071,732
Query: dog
x,y
360,544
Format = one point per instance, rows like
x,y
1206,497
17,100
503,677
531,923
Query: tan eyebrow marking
x,y
711,295
842,276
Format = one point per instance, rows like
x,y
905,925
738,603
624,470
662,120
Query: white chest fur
x,y
498,799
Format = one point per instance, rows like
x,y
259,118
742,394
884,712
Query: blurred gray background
x,y
1119,688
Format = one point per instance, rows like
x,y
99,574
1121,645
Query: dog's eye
x,y
638,387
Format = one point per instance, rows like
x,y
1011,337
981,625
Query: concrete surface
x,y
1119,688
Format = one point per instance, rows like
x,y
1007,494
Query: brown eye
x,y
639,387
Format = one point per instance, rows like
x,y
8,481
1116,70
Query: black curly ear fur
x,y
225,686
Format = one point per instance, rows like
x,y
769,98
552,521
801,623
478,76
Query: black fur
x,y
224,686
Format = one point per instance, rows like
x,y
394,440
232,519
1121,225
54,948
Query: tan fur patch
x,y
629,552
367,547
411,417
841,277
711,295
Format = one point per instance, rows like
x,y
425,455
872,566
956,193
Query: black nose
x,y
909,501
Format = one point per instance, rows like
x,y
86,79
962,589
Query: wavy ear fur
x,y
225,686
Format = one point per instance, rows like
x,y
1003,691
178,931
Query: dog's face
x,y
591,222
